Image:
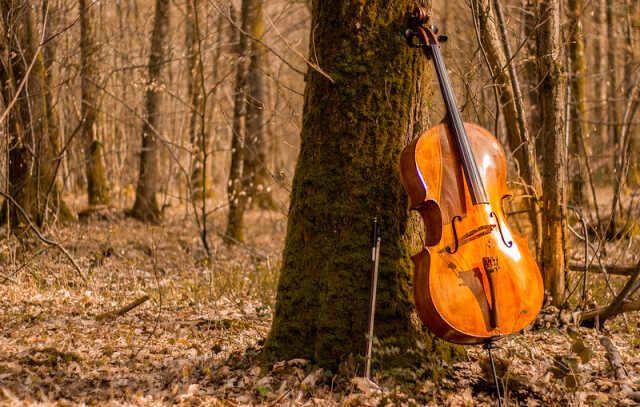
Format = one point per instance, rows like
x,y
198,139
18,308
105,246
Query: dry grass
x,y
196,342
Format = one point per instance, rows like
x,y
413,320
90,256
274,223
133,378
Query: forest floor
x,y
197,340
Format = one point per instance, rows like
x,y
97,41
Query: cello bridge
x,y
490,264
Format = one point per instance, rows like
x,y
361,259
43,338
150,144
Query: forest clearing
x,y
319,203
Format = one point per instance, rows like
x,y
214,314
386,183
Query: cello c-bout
x,y
474,280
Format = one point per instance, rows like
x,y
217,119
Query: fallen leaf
x,y
309,382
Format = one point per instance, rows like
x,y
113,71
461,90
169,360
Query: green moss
x,y
346,174
411,363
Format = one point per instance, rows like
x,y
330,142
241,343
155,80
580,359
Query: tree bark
x,y
599,46
633,178
236,192
199,180
255,160
146,207
32,139
352,135
530,71
577,110
612,89
551,102
97,189
50,15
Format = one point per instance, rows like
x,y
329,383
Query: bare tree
x,y
612,82
50,17
97,189
196,97
551,101
32,140
600,91
235,188
146,204
630,25
255,161
578,109
530,70
496,50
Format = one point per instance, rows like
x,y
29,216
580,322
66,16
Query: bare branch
x,y
312,65
588,317
41,237
613,355
123,310
614,269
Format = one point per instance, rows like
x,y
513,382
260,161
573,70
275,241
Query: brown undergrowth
x,y
197,340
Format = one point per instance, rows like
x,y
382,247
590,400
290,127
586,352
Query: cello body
x,y
455,295
474,280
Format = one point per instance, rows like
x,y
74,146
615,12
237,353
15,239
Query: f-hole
x,y
455,236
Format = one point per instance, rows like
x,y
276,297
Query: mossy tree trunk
x,y
255,160
32,139
236,192
551,101
354,128
97,189
146,205
577,108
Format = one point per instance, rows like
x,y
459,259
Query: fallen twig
x,y
41,237
613,355
121,311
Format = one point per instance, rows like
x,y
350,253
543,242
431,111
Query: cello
x,y
474,280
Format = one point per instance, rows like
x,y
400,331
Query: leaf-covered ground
x,y
197,340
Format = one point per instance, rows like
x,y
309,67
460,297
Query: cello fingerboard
x,y
463,146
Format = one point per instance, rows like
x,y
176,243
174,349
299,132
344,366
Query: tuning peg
x,y
442,38
409,35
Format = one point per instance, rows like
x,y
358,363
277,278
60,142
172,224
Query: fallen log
x,y
588,317
615,269
618,305
632,284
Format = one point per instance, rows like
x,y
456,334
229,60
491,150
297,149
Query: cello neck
x,y
469,165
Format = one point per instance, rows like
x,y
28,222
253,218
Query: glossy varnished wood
x,y
453,291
